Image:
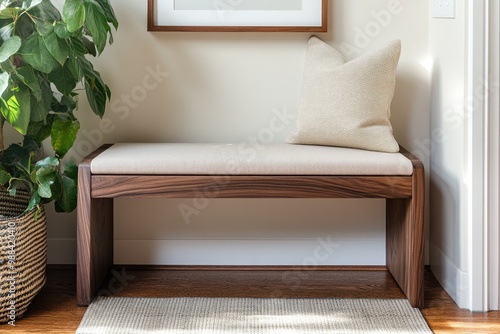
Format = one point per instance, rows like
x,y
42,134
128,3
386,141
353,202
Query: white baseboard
x,y
320,251
452,279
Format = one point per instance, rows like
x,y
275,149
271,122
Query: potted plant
x,y
43,66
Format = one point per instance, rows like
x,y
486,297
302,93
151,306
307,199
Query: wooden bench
x,y
273,171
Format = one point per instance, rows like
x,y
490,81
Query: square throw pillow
x,y
347,104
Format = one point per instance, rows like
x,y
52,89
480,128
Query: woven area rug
x,y
248,315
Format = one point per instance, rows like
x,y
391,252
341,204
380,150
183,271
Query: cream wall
x,y
227,87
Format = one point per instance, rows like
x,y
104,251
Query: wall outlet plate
x,y
443,9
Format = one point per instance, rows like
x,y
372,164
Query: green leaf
x,y
18,110
109,12
43,27
95,89
9,47
70,101
46,166
6,31
39,112
7,66
86,67
67,105
4,82
97,24
78,46
18,157
63,79
23,97
96,95
27,76
34,201
35,52
39,131
63,135
61,30
89,46
46,11
31,146
71,170
57,47
46,173
74,14
68,198
24,26
111,39
44,185
40,109
58,107
9,13
75,68
32,3
4,176
13,184
108,92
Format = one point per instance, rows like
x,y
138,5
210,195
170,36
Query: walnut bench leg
x,y
405,241
94,239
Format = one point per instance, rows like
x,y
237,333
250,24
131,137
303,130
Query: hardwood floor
x,y
54,310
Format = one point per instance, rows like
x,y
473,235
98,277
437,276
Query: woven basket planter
x,y
23,255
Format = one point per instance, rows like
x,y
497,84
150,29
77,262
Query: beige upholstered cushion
x,y
347,104
239,159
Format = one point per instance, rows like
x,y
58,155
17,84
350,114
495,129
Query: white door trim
x,y
483,155
476,219
493,155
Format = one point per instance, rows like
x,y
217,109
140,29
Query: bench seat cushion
x,y
244,159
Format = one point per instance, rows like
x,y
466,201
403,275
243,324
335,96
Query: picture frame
x,y
238,15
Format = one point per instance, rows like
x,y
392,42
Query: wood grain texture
x,y
153,27
405,238
237,186
94,235
415,280
414,160
287,282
